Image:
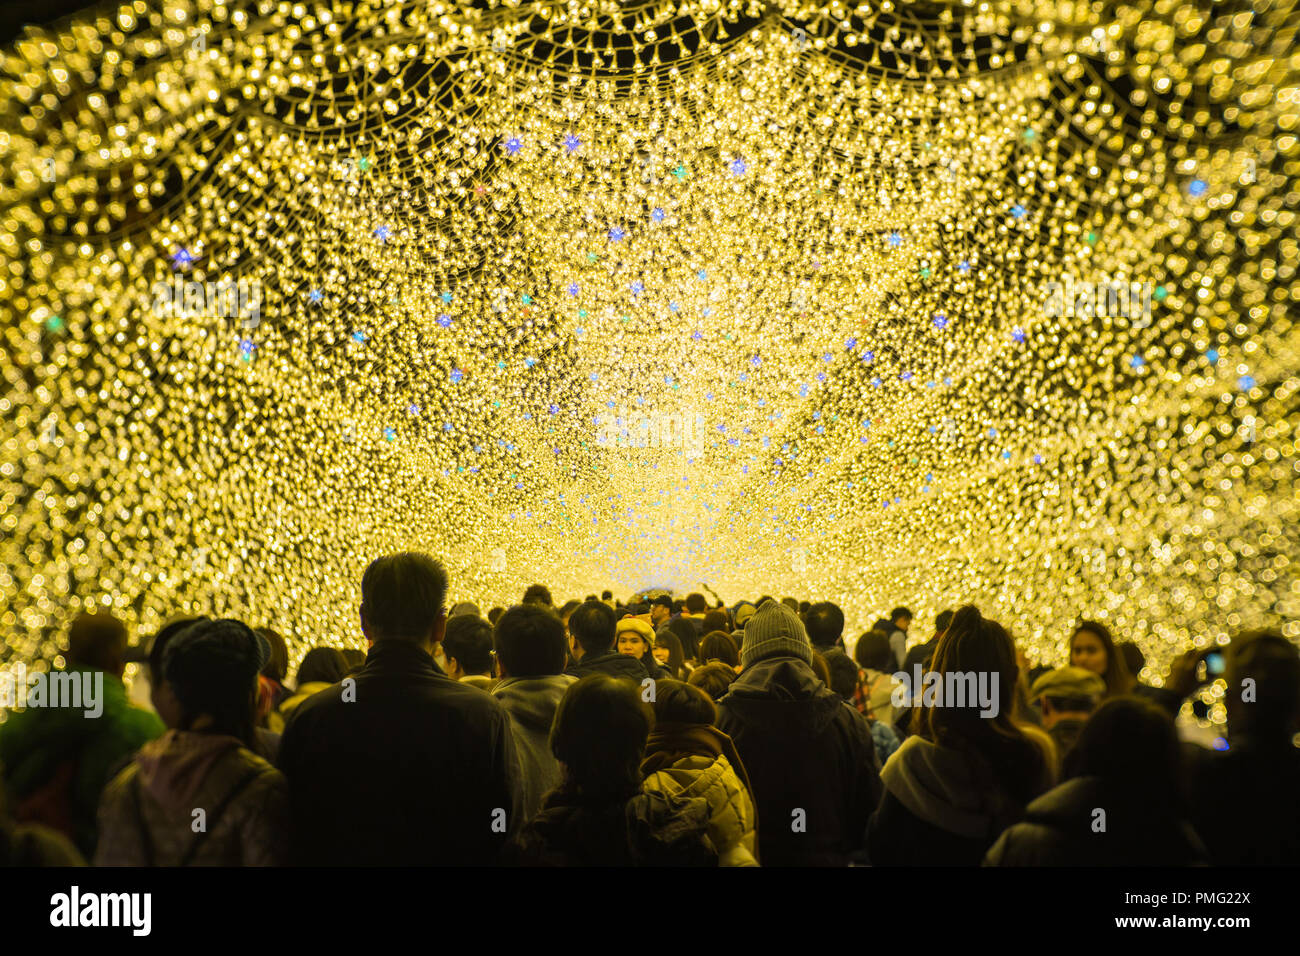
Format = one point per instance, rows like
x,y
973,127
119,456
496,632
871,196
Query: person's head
x,y
714,679
211,668
804,608
843,673
695,603
1134,659
718,646
679,703
467,647
634,637
1132,743
824,623
531,641
901,618
494,615
716,620
688,636
322,665
775,631
591,628
1067,692
568,608
97,640
980,652
464,609
791,603
1093,648
1268,665
277,665
160,692
402,599
744,611
661,609
599,736
668,652
873,652
538,594
941,621
607,595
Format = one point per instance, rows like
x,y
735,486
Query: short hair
x,y
899,612
599,735
1133,656
663,600
824,624
97,640
592,626
873,652
569,607
530,641
538,594
714,679
606,595
791,603
688,637
1133,742
717,620
277,665
695,603
718,646
322,665
402,596
844,674
469,641
590,597
679,703
942,620
1273,663
494,615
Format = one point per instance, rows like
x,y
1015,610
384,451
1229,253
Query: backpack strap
x,y
212,821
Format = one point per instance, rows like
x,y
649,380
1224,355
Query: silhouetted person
x,y
591,641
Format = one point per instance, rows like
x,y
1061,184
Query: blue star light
x,y
673,306
638,287
513,145
390,432
1018,334
616,234
657,214
446,297
849,344
1197,188
384,233
1018,211
1137,361
573,288
456,375
181,258
315,295
358,336
895,239
571,142
738,166
963,267
940,321
1038,459
444,320
868,357
1246,383
1212,355
697,335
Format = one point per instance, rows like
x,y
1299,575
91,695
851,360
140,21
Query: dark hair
x,y
159,644
606,595
844,674
942,620
402,596
1132,742
97,640
355,657
670,640
824,623
759,603
716,620
599,735
494,615
718,646
530,641
663,600
212,668
714,679
804,607
592,626
1117,677
1037,671
679,703
590,597
1134,659
1273,663
695,603
568,608
322,665
974,644
538,594
468,641
277,665
873,652
688,635
791,603
899,612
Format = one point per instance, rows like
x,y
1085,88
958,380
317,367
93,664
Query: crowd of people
x,y
657,732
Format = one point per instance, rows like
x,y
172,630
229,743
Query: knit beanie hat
x,y
775,631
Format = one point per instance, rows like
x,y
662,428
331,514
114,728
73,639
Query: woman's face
x,y
632,644
662,653
1087,651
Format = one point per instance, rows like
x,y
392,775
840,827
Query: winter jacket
x,y
874,695
885,738
1064,828
810,759
1246,801
481,681
697,760
57,760
150,810
408,767
650,828
612,663
941,807
531,703
300,697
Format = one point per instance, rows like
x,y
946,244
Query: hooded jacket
x,y
149,810
1060,829
531,703
941,807
810,759
732,816
612,663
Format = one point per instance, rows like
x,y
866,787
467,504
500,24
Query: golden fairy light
x,y
882,304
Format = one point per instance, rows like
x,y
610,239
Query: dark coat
x,y
414,771
612,663
804,749
1061,829
1246,802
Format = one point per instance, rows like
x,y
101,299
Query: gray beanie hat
x,y
775,631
